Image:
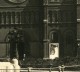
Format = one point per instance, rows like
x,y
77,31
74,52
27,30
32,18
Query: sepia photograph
x,y
39,35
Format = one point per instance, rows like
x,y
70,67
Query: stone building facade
x,y
43,22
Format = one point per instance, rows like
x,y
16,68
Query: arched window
x,y
54,36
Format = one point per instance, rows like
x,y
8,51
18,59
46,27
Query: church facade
x,y
44,23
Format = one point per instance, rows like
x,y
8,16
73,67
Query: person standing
x,y
12,39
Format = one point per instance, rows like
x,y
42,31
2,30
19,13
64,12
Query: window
x,y
54,37
3,17
17,18
52,16
13,18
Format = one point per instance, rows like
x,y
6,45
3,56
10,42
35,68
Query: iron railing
x,y
31,69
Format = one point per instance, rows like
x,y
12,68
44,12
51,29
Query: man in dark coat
x,y
12,35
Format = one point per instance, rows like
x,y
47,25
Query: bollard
x,y
62,68
59,68
29,69
50,70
